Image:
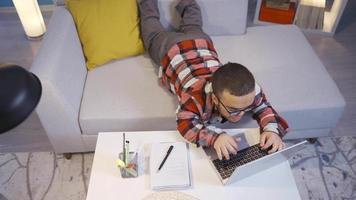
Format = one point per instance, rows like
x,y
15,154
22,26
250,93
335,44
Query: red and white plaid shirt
x,y
186,70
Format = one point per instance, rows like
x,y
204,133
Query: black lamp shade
x,y
20,92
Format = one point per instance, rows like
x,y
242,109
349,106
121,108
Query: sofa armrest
x,y
60,66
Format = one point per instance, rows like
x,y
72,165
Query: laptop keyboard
x,y
227,167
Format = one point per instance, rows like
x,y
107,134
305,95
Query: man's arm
x,y
190,124
267,118
191,127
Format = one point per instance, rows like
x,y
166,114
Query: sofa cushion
x,y
107,29
291,74
125,95
220,17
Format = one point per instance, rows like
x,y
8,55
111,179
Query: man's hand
x,y
226,144
269,139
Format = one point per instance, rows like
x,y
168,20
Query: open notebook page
x,y
175,173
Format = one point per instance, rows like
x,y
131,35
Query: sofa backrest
x,y
220,17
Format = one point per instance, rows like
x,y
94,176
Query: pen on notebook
x,y
165,158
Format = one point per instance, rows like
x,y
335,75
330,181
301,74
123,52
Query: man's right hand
x,y
226,144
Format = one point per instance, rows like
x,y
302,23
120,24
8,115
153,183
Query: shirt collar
x,y
208,88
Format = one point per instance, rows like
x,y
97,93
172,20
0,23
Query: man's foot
x,y
183,4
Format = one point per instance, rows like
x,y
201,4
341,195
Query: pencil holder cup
x,y
130,170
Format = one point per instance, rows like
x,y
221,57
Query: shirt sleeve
x,y
267,118
191,126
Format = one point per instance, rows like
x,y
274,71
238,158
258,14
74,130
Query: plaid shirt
x,y
186,70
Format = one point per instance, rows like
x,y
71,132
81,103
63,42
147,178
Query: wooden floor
x,y
338,54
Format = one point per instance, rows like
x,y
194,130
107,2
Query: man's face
x,y
231,106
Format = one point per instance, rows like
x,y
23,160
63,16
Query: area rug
x,y
325,170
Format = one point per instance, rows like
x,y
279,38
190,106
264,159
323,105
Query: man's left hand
x,y
269,139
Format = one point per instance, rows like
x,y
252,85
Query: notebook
x,y
175,173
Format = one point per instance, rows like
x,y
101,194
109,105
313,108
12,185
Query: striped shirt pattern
x,y
186,70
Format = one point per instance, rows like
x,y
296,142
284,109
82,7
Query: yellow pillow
x,y
107,29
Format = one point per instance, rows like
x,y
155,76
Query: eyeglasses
x,y
235,111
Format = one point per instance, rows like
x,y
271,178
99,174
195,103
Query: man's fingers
x,y
268,143
218,152
280,146
233,143
262,140
274,148
225,153
231,149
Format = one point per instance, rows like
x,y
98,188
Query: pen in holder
x,y
130,169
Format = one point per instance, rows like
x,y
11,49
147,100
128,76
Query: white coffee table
x,y
106,182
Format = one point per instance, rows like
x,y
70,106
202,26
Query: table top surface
x,y
105,180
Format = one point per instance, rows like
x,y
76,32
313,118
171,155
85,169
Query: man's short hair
x,y
233,77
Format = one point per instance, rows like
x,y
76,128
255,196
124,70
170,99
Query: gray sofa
x,y
125,95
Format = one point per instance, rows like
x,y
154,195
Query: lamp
x,y
20,92
31,18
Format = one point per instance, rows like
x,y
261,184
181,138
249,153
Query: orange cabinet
x,y
277,15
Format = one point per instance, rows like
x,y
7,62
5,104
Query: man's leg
x,y
190,26
152,32
156,39
191,22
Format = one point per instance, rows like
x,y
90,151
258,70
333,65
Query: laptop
x,y
250,158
